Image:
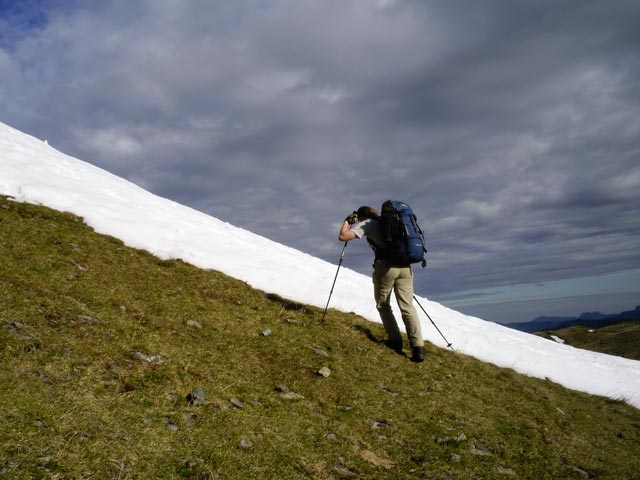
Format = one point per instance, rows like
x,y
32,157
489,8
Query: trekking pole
x,y
449,344
334,280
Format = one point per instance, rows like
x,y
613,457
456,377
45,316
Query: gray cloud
x,y
511,127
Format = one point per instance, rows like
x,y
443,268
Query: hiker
x,y
387,277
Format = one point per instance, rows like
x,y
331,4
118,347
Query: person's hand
x,y
352,218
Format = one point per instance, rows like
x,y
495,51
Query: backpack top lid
x,y
394,205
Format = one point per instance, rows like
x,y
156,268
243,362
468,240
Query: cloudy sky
x,y
511,127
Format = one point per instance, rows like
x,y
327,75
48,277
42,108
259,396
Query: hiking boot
x,y
418,354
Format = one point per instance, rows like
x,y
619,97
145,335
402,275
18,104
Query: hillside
x,y
101,344
622,339
33,172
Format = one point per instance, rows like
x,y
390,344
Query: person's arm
x,y
346,233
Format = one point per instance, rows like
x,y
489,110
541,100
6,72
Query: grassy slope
x,y
77,402
622,339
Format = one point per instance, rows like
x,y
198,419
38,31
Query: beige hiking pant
x,y
399,279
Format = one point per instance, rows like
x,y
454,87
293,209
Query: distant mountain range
x,y
587,319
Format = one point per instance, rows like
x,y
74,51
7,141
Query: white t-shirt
x,y
369,228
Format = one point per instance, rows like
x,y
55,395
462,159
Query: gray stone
x,y
325,372
291,396
581,472
481,452
379,424
236,403
194,462
459,438
320,352
196,397
194,324
506,471
148,358
344,471
43,376
191,417
390,391
266,332
244,443
171,425
15,330
172,397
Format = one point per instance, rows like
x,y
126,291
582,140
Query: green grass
x,y
622,339
77,309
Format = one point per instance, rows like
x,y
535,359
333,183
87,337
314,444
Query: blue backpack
x,y
403,237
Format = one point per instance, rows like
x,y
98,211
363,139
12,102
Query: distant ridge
x,y
587,319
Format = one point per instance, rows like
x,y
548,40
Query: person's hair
x,y
366,212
